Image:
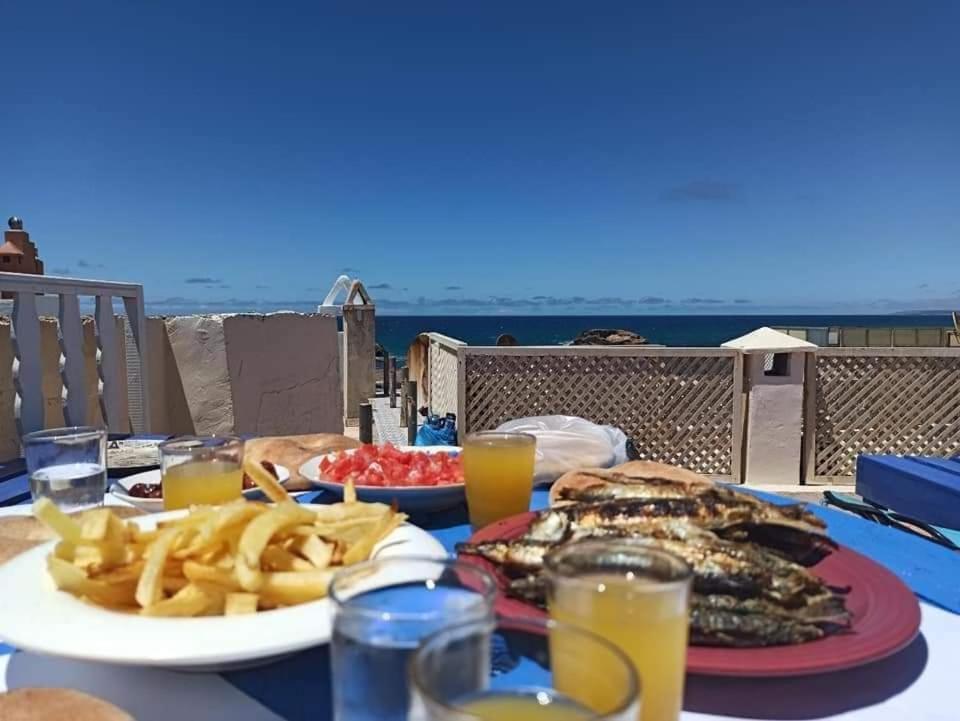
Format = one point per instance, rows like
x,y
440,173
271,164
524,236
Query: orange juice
x,y
647,619
498,472
545,706
201,483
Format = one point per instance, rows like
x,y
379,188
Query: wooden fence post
x,y
411,412
403,395
366,423
393,383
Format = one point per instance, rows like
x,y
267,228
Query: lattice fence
x,y
443,377
679,406
871,401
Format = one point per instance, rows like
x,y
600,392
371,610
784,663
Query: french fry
x,y
57,521
314,550
200,573
238,604
277,558
149,588
191,600
287,588
362,549
72,579
261,529
236,559
349,492
266,482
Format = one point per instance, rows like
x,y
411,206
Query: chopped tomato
x,y
389,466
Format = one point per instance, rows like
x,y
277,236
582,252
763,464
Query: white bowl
x,y
408,498
121,489
35,616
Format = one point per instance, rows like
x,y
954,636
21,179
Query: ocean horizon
x,y
396,332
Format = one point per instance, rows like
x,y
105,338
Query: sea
x,y
395,332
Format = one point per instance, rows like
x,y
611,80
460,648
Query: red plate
x,y
886,618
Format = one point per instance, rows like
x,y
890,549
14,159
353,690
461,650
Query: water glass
x,y
382,610
498,473
522,669
635,596
201,470
68,466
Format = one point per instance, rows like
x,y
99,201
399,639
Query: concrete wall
x,y
266,375
284,372
274,374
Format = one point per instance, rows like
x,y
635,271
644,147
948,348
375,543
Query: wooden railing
x,y
878,400
27,366
680,405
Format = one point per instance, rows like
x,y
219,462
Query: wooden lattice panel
x,y
885,403
678,407
443,378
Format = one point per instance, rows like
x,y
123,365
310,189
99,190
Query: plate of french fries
x,y
209,588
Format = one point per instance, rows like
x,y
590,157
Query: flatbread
x,y
21,533
57,704
294,451
625,473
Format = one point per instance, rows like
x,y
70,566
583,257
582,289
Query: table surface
x,y
915,684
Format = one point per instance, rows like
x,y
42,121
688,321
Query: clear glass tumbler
x,y
68,466
201,470
382,610
635,596
498,474
522,669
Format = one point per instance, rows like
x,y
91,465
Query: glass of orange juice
x,y
520,670
201,470
498,473
638,598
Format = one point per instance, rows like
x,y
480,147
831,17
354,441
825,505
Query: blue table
x,y
914,684
921,487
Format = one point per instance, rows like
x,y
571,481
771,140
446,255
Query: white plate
x,y
408,498
121,487
35,616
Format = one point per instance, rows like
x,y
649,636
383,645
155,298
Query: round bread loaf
x,y
57,704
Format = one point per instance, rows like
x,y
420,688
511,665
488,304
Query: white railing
x,y
27,364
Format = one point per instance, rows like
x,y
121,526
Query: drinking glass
x,y
68,466
498,472
382,610
201,470
635,596
521,669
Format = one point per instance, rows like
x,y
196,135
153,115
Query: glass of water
x,y
530,669
68,466
382,610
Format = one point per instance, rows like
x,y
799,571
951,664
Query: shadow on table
x,y
296,688
807,697
147,694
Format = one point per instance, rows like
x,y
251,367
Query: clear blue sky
x,y
487,157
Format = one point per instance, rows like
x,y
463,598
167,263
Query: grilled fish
x,y
718,620
719,566
611,485
768,525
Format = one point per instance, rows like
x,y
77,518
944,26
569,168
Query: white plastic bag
x,y
568,442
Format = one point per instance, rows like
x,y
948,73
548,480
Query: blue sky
x,y
492,157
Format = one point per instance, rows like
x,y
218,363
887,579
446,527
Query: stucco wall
x,y
774,422
267,375
284,373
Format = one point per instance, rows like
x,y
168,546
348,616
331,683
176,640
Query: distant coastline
x,y
395,332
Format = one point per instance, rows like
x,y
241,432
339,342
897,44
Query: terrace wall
x,y
259,374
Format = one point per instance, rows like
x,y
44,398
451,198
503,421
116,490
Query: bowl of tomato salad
x,y
417,478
